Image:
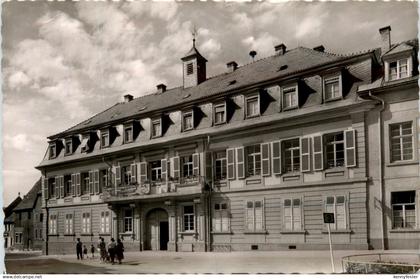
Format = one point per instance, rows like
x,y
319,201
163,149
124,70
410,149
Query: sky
x,y
65,61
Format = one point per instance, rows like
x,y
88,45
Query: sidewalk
x,y
227,263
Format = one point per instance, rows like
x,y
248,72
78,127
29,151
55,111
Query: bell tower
x,y
194,67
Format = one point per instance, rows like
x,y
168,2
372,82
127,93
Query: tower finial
x,y
194,34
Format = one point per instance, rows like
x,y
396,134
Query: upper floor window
x,y
85,183
188,218
398,69
126,174
335,149
220,113
68,147
291,155
103,179
53,150
156,128
68,191
51,187
332,87
128,134
220,165
156,170
187,121
403,209
187,166
401,141
336,205
104,139
252,107
290,97
190,68
254,159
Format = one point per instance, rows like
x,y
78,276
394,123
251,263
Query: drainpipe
x,y
380,164
209,217
46,219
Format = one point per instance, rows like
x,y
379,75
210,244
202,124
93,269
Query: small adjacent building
x,y
9,223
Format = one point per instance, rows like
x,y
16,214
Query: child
x,y
92,250
85,251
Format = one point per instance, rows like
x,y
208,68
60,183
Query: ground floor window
x,y
337,205
292,214
18,238
86,222
188,218
105,222
403,209
128,220
254,215
68,225
53,224
221,217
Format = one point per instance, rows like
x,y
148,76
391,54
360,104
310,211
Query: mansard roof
x,y
29,199
267,69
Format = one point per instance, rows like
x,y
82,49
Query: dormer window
x,y
332,88
290,97
220,113
398,69
190,68
68,148
156,128
128,133
252,108
188,120
104,139
53,151
85,143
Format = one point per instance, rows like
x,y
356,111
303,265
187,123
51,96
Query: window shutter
x,y
231,163
240,162
276,157
209,167
73,184
305,155
164,165
175,167
45,183
265,159
117,175
143,171
57,187
196,164
91,178
62,186
78,186
133,171
96,181
350,146
318,153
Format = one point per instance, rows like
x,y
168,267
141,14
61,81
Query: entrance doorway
x,y
157,230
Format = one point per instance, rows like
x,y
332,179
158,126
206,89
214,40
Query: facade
x,y
28,220
247,160
9,223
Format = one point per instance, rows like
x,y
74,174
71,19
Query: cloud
x,y
263,44
18,79
160,10
22,141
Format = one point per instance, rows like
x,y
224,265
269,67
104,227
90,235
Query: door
x,y
157,231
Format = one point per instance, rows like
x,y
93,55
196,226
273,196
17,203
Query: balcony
x,y
155,189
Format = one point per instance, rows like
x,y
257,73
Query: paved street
x,y
171,262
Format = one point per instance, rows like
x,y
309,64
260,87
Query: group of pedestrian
x,y
108,253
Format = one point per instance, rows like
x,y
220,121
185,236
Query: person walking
x,y
85,251
92,250
79,249
119,251
102,249
111,250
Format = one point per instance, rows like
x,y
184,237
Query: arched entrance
x,y
157,230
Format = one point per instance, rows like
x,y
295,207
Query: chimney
x,y
319,48
385,39
128,98
161,88
232,66
280,49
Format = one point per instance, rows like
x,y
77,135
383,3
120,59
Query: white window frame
x,y
221,217
105,139
292,151
249,99
128,221
295,92
68,224
86,222
190,166
404,215
253,223
66,142
254,156
400,137
335,205
398,68
52,151
293,212
53,224
330,79
128,128
215,112
189,218
158,170
105,222
334,143
157,121
189,113
223,165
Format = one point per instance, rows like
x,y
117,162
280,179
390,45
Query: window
x,y
252,106
254,215
190,68
188,218
86,223
51,187
67,186
398,69
105,222
187,166
156,170
103,176
85,183
291,155
254,159
68,147
156,128
403,209
335,150
220,165
292,214
53,224
126,175
53,149
401,141
68,225
290,97
18,238
332,88
104,139
221,217
336,205
128,134
128,220
187,121
220,114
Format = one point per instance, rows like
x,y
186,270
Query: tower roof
x,y
193,53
